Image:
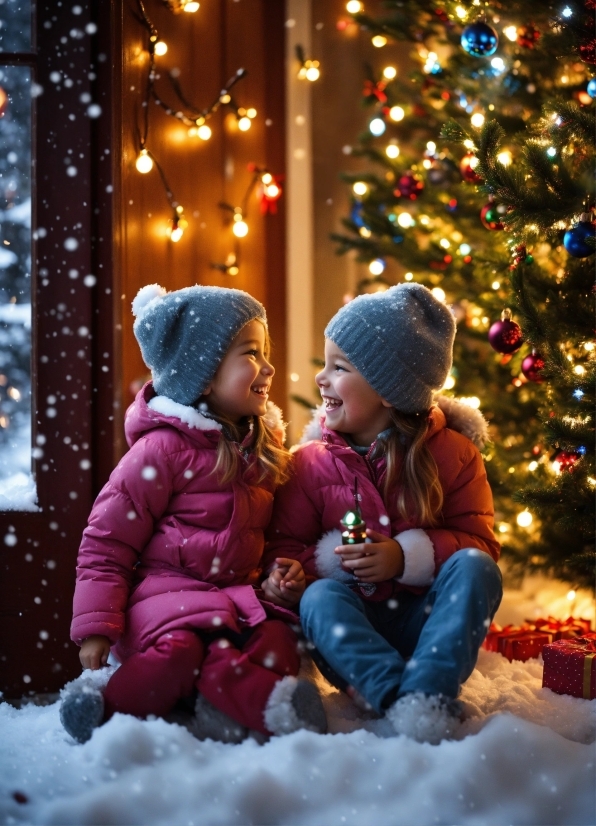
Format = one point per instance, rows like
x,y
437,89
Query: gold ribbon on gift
x,y
588,675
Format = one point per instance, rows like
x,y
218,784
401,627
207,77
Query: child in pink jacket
x,y
169,562
396,620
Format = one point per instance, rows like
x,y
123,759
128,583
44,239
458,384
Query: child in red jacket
x,y
398,619
171,556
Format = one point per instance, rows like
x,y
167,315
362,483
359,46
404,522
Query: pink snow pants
x,y
236,681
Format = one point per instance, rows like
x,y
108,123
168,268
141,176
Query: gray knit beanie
x,y
184,335
400,340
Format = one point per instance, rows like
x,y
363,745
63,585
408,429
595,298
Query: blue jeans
x,y
416,642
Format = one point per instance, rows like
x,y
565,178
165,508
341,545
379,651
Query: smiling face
x,y
241,384
351,405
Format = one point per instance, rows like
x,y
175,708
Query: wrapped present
x,y
516,642
570,667
561,629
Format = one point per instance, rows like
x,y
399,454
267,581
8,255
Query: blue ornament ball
x,y
591,88
575,238
479,40
356,214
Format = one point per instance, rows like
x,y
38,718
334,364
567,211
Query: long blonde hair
x,y
273,459
411,468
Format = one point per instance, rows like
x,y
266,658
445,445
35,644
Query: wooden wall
x,y
206,48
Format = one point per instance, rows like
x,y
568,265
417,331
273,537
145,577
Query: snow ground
x,y
526,756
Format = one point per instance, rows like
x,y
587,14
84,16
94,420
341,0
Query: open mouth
x,y
331,404
261,390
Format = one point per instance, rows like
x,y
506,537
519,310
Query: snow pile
x,y
526,757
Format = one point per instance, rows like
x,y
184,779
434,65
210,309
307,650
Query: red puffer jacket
x,y
167,546
308,508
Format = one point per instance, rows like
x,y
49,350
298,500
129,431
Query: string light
x,y
524,519
409,276
510,33
354,7
376,267
360,188
405,220
389,72
505,157
465,249
377,126
392,150
449,383
239,227
160,48
461,12
477,119
379,41
438,293
396,113
144,162
244,123
190,6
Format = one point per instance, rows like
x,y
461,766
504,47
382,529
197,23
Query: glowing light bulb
x,y
532,466
588,345
312,73
409,276
396,113
567,12
244,124
438,293
449,383
432,147
498,64
551,151
354,6
360,188
377,126
160,48
465,249
445,243
376,267
405,220
251,113
524,519
477,119
176,234
379,41
144,162
510,33
461,12
272,191
505,157
204,132
266,178
240,228
496,285
233,270
392,151
191,6
571,595
389,72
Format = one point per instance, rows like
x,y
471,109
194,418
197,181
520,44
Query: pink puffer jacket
x,y
166,546
308,508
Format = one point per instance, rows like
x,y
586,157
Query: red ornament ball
x,y
491,215
505,336
527,36
409,186
467,166
565,459
531,367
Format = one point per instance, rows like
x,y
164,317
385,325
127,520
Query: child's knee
x,y
475,566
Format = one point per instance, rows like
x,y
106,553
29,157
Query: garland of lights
x,y
196,119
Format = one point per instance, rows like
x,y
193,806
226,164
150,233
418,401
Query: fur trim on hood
x,y
460,417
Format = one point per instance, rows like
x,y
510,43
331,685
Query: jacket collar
x,y
446,412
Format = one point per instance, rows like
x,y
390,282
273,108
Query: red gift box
x,y
516,642
562,629
570,667
523,642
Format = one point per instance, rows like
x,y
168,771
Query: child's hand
x,y
285,585
94,652
374,561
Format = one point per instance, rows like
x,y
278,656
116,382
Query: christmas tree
x,y
475,165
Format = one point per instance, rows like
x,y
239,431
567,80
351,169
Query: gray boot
x,y
294,704
81,712
209,723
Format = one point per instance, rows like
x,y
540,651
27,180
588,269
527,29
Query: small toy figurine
x,y
354,533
